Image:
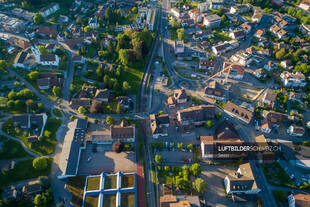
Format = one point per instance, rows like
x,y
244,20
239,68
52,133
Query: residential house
x,y
236,70
32,188
49,82
206,64
269,66
24,60
78,59
102,95
201,35
275,119
176,12
195,15
171,102
305,5
87,92
215,91
49,60
264,126
219,49
259,33
125,101
123,132
238,112
211,21
21,43
51,47
278,32
259,73
256,18
296,131
195,115
242,182
9,193
180,96
159,124
75,103
298,200
246,27
100,13
203,7
7,165
296,79
46,31
74,44
278,2
50,9
244,58
305,29
92,22
170,200
239,9
287,64
270,98
237,35
27,121
216,4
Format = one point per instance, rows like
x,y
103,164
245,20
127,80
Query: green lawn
x,y
133,77
90,51
46,146
11,149
276,175
23,170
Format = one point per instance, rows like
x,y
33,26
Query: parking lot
x,y
176,156
215,194
105,160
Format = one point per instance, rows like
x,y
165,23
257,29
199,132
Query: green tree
x,y
81,110
57,91
174,23
119,108
10,104
40,163
279,195
47,134
110,120
42,50
38,18
34,75
280,54
110,48
126,86
123,56
195,169
219,115
180,145
209,124
106,79
199,185
158,158
190,147
19,105
181,34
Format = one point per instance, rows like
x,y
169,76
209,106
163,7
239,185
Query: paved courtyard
x,y
215,194
105,160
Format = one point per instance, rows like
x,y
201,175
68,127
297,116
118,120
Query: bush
x,y
158,158
209,124
279,195
40,163
128,147
199,185
72,118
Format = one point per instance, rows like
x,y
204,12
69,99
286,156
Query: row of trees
x,y
22,95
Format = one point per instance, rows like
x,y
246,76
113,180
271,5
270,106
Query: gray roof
x,y
81,124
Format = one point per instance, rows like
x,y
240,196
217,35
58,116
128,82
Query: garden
x,y
11,149
276,175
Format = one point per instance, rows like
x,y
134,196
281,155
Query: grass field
x,y
11,149
23,170
133,77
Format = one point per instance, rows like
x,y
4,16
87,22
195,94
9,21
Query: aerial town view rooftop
x,y
155,103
